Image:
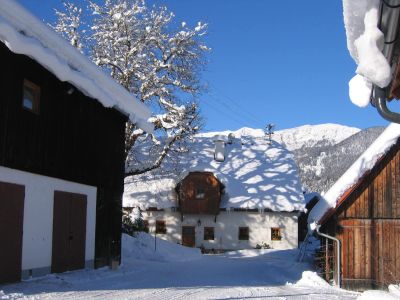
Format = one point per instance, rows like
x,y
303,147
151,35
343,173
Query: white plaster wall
x,y
38,214
226,228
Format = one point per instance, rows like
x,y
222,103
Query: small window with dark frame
x,y
161,228
208,233
243,233
31,96
276,234
200,193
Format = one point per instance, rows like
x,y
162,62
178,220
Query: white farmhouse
x,y
229,191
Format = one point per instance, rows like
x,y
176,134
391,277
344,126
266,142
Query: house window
x,y
243,233
161,228
200,193
31,96
276,234
146,226
208,233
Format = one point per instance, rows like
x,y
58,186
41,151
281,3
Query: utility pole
x,y
269,130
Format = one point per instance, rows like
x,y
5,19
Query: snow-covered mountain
x,y
313,135
298,137
322,152
321,165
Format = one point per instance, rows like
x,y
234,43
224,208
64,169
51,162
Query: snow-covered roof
x,y
352,176
244,131
365,42
23,33
256,175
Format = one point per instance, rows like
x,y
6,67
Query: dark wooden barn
x,y
58,146
366,220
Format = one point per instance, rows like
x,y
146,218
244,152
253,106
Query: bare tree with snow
x,y
157,61
70,24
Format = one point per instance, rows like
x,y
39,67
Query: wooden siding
x,y
73,138
189,204
368,225
378,195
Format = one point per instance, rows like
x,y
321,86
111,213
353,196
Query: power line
x,y
238,112
222,112
239,105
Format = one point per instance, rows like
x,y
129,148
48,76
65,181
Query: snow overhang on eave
x,y
24,34
330,211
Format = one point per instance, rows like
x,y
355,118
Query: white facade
x,y
226,228
38,218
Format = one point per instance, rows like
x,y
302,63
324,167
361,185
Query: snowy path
x,y
236,275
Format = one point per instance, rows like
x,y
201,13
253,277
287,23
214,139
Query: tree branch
x,y
158,162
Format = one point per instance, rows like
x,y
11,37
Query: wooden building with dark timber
x,y
62,124
364,214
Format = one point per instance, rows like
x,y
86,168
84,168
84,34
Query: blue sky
x,y
281,62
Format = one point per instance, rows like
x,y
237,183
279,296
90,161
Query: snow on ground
x,y
143,247
377,295
181,273
394,289
310,278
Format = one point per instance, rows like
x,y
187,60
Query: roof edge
x,y
25,34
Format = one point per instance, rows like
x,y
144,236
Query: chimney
x,y
231,137
219,152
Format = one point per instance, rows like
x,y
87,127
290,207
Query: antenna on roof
x,y
269,131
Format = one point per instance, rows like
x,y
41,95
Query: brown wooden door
x,y
11,228
188,236
390,251
370,251
69,232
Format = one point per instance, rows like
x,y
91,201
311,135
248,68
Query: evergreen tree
x,y
133,222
